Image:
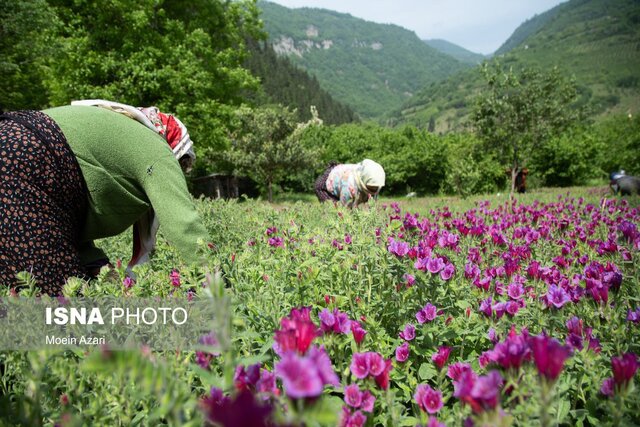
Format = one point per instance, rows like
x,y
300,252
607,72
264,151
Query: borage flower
x,y
441,356
549,356
402,352
427,314
357,399
556,296
336,321
371,364
358,332
243,410
306,376
408,333
481,393
296,332
428,399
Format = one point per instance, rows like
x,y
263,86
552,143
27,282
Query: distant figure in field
x,y
350,184
521,180
624,184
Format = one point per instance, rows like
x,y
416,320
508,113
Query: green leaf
x,y
427,371
562,411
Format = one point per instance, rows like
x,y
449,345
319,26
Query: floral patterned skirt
x,y
321,185
43,202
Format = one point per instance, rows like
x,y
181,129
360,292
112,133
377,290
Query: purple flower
x,y
271,231
305,376
368,401
360,365
357,399
433,422
608,387
481,393
399,249
336,321
485,307
349,419
408,333
455,370
246,379
402,352
513,352
427,314
447,272
352,395
441,356
634,316
276,242
549,356
175,278
557,296
624,368
409,279
428,399
574,325
434,265
296,332
357,331
299,376
515,291
128,282
243,410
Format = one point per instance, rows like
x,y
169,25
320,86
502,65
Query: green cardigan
x,y
128,169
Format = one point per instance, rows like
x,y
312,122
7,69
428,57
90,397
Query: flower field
x,y
425,312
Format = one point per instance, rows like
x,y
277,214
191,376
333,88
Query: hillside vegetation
x,y
458,52
373,68
596,41
284,83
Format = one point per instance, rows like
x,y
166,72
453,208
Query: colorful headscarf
x,y
369,174
172,129
176,135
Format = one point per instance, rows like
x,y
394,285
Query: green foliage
x,y
366,281
372,68
25,43
471,169
284,83
520,112
620,139
183,58
594,41
266,146
458,52
569,159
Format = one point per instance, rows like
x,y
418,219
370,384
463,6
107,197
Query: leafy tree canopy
x,y
519,112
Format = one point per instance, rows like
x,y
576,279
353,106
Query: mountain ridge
x,y
597,42
371,67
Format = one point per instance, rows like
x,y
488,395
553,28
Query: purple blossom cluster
x,y
513,259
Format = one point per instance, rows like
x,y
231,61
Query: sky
x,y
480,26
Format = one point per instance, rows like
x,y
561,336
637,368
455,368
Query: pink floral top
x,y
341,182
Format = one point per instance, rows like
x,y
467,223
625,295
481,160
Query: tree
x,y
519,112
25,30
185,57
266,145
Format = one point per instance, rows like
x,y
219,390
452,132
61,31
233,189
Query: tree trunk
x,y
270,191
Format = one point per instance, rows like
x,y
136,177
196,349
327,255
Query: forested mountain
x,y
373,68
596,41
284,83
458,52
